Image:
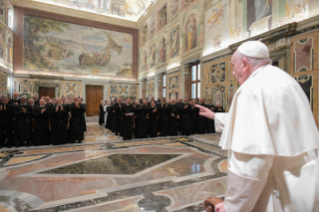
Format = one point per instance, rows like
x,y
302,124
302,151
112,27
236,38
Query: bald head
x,y
15,95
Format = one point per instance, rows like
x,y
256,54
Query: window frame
x,y
197,80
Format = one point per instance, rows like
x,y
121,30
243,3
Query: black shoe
x,y
17,145
80,141
9,146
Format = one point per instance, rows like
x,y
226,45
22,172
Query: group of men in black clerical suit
x,y
41,121
157,118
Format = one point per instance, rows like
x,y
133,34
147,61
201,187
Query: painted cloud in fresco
x,y
128,9
69,48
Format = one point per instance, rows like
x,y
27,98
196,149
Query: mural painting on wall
x,y
174,9
150,89
162,50
217,26
296,10
218,73
306,83
190,33
173,83
258,16
152,26
3,11
129,9
218,95
123,90
152,55
62,47
71,88
2,42
113,91
9,45
303,55
230,94
186,3
133,91
144,62
3,83
206,75
174,42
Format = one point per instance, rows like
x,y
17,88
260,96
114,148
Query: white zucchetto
x,y
254,49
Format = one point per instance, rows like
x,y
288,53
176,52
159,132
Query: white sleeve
x,y
220,120
247,176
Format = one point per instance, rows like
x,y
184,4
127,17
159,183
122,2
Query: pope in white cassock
x,y
271,138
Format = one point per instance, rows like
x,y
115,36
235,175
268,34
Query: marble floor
x,y
105,173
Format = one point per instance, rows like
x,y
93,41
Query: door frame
x,y
94,84
37,85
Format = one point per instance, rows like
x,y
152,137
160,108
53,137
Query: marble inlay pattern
x,y
60,149
96,130
139,143
18,160
160,174
113,164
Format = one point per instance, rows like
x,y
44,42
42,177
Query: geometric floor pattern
x,y
154,174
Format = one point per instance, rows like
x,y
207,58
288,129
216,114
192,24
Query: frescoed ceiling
x,y
123,9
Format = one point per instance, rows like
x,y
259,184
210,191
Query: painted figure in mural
x,y
218,13
152,26
174,43
162,52
173,83
144,61
152,56
262,9
191,33
2,8
174,7
10,50
298,12
1,43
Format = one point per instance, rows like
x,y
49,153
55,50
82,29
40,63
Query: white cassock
x,y
272,142
105,114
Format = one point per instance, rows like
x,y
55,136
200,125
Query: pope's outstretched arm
x,y
220,118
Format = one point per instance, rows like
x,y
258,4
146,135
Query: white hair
x,y
255,62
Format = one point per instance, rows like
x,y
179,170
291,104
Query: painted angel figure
x,y
218,13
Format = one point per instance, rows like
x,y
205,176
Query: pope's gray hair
x,y
255,62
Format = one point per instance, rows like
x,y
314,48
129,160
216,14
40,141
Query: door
x,y
44,91
94,95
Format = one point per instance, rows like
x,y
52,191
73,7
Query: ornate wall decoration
x,y
218,73
173,86
152,26
2,42
174,9
218,95
123,90
162,49
306,83
9,47
174,42
71,88
152,55
150,88
191,32
76,49
3,83
3,11
303,55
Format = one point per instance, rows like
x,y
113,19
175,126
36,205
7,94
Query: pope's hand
x,y
205,112
220,207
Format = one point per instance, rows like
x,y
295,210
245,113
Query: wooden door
x,y
44,91
94,95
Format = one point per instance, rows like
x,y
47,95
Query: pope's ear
x,y
245,64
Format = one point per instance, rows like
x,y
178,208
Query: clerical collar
x,y
41,105
24,104
128,104
59,105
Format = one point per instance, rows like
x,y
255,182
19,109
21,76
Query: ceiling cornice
x,y
153,7
74,13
